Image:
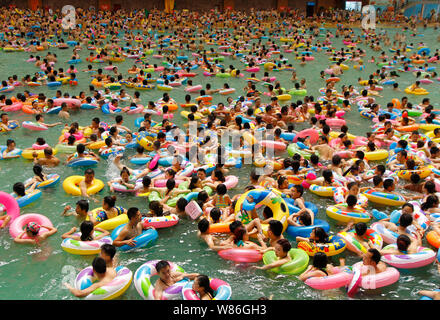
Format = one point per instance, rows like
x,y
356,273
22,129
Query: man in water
x,y
203,234
108,252
167,278
48,160
325,151
100,273
89,177
81,210
5,122
132,229
371,259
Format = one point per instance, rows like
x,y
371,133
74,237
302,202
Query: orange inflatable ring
x,y
187,105
396,103
332,79
433,239
171,106
28,109
410,128
95,82
220,227
204,98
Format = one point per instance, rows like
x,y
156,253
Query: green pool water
x,y
38,273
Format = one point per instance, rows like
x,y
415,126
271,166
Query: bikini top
x,y
240,243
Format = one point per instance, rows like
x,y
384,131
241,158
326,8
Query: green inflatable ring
x,y
293,148
299,262
299,92
223,75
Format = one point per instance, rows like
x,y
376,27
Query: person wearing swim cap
x,y
32,231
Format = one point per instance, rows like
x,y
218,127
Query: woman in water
x,y
203,288
87,232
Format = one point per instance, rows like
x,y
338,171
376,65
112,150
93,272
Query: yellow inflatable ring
x,y
379,154
335,134
197,115
417,91
27,154
64,80
335,246
261,162
284,97
145,142
111,223
423,172
429,127
269,65
340,213
70,185
271,198
96,145
431,135
322,191
249,138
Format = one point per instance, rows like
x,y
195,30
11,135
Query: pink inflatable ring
x,y
10,205
18,225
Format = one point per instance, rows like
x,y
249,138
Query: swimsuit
x,y
244,217
102,215
220,202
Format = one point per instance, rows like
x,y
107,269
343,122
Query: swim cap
x,y
33,227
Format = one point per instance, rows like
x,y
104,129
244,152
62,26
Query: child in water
x,y
87,232
32,230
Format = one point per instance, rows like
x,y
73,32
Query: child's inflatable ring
x,y
322,191
28,198
241,255
335,246
271,198
433,239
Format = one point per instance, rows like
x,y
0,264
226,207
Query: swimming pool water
x,y
38,273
